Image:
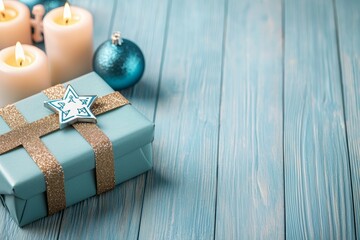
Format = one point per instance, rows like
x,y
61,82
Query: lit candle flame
x,y
19,54
67,13
2,8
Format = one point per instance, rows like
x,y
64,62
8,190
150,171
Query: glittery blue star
x,y
72,108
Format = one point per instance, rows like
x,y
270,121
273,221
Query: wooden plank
x,y
46,228
180,192
117,214
348,18
250,194
318,196
102,17
144,23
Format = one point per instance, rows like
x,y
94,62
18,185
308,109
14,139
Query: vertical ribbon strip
x,y
52,170
101,144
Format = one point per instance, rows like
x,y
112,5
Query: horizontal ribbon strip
x,y
49,124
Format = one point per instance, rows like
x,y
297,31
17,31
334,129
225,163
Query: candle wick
x,y
3,14
21,62
66,21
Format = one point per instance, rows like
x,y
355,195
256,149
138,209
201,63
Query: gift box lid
x,y
125,127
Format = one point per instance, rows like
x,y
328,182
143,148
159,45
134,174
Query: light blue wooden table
x,y
257,112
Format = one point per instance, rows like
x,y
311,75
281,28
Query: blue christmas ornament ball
x,y
48,4
119,62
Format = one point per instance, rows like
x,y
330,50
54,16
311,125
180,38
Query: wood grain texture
x,y
116,215
102,18
348,19
191,88
144,22
250,195
44,229
180,192
317,181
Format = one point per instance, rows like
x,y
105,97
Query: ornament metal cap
x,y
116,38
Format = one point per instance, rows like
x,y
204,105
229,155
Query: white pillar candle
x,y
24,71
14,23
68,42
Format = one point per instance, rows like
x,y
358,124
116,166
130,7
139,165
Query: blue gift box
x,y
22,184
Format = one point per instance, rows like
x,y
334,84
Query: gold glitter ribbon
x,y
52,170
28,135
101,144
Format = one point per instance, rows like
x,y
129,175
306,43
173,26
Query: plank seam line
x,y
226,10
337,37
111,26
283,108
165,39
61,221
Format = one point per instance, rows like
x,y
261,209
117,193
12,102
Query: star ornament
x,y
73,108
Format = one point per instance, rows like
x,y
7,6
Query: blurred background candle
x,y
14,23
68,42
24,71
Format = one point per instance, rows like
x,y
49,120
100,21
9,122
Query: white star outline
x,y
72,108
